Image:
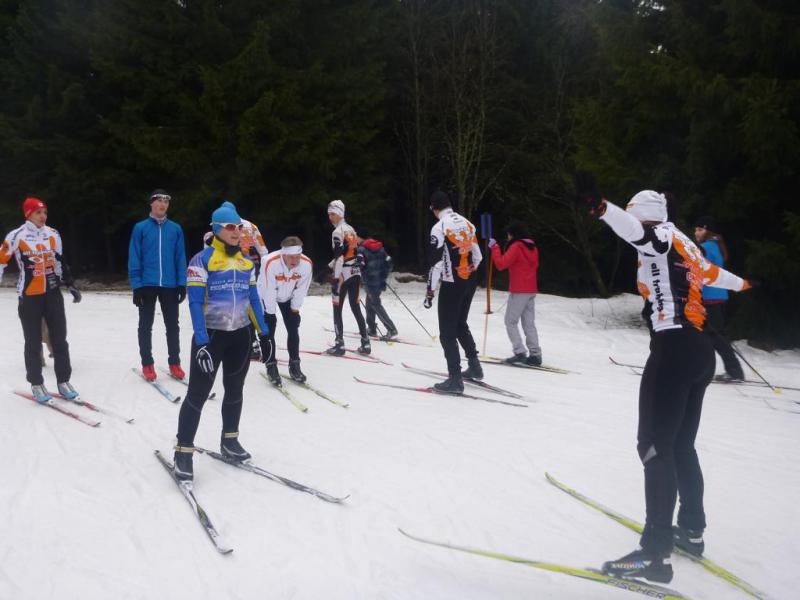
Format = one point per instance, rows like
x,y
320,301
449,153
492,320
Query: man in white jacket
x,y
283,284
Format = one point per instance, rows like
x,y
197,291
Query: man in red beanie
x,y
42,271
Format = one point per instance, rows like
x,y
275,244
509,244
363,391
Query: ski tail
x,y
200,513
631,585
634,525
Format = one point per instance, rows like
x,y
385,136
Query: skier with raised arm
x,y
671,275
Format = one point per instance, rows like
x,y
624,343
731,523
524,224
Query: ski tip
x,y
130,421
176,400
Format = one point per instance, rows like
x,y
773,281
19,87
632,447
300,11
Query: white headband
x,y
292,250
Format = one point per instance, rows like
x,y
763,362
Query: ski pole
x,y
433,337
752,368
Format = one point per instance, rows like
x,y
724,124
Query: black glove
x,y
76,294
428,302
587,194
204,360
181,293
138,297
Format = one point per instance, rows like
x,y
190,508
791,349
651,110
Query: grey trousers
x,y
522,307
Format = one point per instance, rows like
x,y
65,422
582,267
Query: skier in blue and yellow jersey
x,y
671,276
223,301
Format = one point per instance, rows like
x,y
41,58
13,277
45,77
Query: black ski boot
x,y
517,358
474,370
391,333
274,376
295,373
452,385
689,540
183,466
337,349
230,447
372,331
365,347
641,563
534,360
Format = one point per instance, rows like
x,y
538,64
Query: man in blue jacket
x,y
157,271
706,232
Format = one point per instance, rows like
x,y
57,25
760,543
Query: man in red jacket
x,y
522,261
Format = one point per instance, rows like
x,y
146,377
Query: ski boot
x,y
40,394
231,448
177,372
517,358
337,349
365,347
66,390
372,331
295,373
689,540
391,333
149,372
641,563
274,376
534,360
474,370
452,385
183,465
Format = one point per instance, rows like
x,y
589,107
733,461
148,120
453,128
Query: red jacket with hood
x,y
522,261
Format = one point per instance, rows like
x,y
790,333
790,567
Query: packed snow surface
x,y
91,514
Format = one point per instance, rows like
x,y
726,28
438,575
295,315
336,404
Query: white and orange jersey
x,y
251,239
455,253
38,253
344,241
672,270
278,283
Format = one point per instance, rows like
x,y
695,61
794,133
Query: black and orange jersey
x,y
38,254
671,271
455,253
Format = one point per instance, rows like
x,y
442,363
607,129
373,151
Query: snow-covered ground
x,y
90,514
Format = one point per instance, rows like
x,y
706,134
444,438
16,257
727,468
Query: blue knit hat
x,y
226,213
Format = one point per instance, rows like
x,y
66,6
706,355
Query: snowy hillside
x,y
90,514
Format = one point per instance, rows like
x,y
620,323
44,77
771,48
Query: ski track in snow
x,y
89,513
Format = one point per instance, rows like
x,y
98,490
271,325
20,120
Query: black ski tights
x,y
679,368
349,289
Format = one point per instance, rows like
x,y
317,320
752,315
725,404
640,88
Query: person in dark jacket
x,y
376,265
715,299
521,258
157,271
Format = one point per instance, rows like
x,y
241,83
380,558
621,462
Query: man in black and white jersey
x,y
455,256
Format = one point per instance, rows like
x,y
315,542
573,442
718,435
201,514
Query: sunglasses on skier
x,y
230,226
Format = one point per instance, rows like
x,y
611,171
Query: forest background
x,y
283,105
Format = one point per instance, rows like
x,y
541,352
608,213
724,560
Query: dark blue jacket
x,y
157,255
376,265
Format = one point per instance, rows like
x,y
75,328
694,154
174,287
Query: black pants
x,y
291,321
455,300
168,298
678,370
715,327
231,349
349,289
50,307
375,309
